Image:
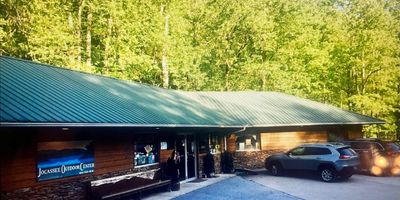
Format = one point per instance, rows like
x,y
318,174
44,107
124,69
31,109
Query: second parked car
x,y
329,160
376,156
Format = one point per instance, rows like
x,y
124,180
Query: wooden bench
x,y
127,185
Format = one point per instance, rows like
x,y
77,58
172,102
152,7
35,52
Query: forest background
x,y
340,52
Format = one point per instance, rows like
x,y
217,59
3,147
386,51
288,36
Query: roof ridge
x,y
329,105
82,72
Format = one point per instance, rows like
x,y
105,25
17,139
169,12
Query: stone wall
x,y
217,164
252,159
71,188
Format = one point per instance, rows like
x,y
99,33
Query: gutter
x,y
242,128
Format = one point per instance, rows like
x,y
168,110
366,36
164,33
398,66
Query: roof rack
x,y
334,143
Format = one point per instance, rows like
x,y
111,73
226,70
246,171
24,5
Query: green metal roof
x,y
40,95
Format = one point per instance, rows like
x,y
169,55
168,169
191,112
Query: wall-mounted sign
x,y
64,158
164,145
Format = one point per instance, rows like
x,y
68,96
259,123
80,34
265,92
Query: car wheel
x,y
275,169
328,174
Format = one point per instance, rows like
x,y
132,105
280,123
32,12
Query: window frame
x,y
255,147
149,140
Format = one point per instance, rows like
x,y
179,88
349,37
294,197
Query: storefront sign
x,y
64,159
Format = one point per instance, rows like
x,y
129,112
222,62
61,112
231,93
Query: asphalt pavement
x,y
306,186
288,187
236,188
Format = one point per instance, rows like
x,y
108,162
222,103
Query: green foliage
x,y
340,52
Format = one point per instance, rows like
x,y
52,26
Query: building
x,y
61,128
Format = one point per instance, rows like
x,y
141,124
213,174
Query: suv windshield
x,y
347,151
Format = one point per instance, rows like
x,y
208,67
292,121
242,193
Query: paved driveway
x,y
358,187
235,188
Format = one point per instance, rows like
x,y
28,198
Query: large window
x,y
248,142
146,151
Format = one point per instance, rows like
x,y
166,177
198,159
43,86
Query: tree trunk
x,y
164,63
107,53
89,38
79,25
227,76
72,55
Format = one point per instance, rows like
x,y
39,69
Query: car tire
x,y
275,169
328,174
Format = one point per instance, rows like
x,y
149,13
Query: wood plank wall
x,y
287,140
231,143
111,156
164,155
18,160
18,168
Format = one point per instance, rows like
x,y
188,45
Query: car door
x,y
318,155
310,158
295,158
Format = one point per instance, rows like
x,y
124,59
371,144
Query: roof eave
x,y
317,124
121,125
127,125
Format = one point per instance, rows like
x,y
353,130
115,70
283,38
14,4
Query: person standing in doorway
x,y
173,169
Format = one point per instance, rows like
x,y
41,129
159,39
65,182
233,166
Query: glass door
x,y
186,147
191,156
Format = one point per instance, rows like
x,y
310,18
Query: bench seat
x,y
126,187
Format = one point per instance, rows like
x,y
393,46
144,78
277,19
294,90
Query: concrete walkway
x,y
188,187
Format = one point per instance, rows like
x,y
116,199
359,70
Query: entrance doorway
x,y
186,147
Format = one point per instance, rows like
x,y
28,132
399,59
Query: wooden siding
x,y
354,133
287,140
113,156
164,155
231,143
18,168
18,160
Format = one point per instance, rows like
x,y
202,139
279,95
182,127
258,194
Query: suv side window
x,y
300,151
376,146
317,151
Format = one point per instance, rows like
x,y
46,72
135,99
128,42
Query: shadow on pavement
x,y
310,175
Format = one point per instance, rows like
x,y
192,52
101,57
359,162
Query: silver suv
x,y
329,160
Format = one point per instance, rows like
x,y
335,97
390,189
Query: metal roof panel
x,y
33,93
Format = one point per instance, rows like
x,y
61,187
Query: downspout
x,y
238,131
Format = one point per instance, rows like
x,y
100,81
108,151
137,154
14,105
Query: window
x,y
212,143
299,151
347,151
248,142
317,151
376,146
360,145
215,144
146,151
392,147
